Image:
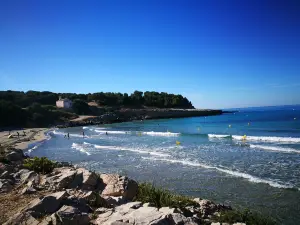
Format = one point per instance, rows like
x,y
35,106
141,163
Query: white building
x,y
63,103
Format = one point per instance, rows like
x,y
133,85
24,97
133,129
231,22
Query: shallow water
x,y
249,159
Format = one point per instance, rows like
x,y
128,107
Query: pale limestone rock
x,y
116,185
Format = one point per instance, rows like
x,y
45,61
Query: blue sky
x,y
220,54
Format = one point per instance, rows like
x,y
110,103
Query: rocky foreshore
x,y
70,195
126,114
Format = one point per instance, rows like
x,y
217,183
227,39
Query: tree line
x,y
137,98
34,108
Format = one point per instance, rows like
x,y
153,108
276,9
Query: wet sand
x,y
30,136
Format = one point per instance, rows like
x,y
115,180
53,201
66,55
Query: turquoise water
x,y
250,158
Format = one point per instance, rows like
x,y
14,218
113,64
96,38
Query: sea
x,y
246,159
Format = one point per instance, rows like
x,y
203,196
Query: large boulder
x,y
116,185
69,215
60,178
23,218
15,155
47,204
90,180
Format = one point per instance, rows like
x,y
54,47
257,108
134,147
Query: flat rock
x,y
116,185
47,204
135,213
23,218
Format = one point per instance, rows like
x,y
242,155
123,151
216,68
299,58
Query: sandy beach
x,y
26,137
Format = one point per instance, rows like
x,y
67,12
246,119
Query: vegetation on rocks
x,y
40,165
160,197
245,216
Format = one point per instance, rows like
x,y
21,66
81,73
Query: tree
x,y
80,107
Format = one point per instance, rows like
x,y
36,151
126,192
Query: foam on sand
x,y
275,149
218,135
267,139
119,148
227,171
80,148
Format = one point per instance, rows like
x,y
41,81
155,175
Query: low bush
x,y
160,197
40,165
245,216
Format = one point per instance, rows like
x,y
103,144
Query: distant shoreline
x,y
127,115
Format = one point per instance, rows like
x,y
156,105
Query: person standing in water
x,y
68,135
83,134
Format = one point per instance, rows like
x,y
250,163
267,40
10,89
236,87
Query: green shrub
x,y
245,216
160,197
40,165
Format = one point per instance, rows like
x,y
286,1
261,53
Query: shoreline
x,y
130,115
27,137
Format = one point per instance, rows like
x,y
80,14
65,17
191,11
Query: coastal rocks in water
x,y
116,185
47,204
15,155
23,218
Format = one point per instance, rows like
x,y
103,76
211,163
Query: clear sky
x,y
219,54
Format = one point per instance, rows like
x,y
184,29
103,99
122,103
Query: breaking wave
x,y
80,148
218,135
268,139
233,173
119,148
275,148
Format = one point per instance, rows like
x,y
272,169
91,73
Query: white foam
x,y
119,148
233,173
276,148
268,139
80,148
31,149
152,133
218,135
85,128
111,132
71,135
